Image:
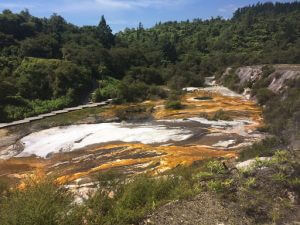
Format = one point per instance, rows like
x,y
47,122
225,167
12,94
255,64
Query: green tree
x,y
169,51
43,46
105,34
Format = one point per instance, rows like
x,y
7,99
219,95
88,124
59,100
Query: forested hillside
x,y
48,64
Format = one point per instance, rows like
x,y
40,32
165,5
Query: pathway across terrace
x,y
53,113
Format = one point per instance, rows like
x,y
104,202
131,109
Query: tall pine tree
x,y
105,34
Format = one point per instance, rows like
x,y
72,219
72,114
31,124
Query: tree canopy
x,y
56,56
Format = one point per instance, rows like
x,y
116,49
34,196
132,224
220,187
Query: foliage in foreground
x,y
264,148
41,203
258,192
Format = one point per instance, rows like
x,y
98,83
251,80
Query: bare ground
x,y
204,209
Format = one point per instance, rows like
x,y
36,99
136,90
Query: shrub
x,y
3,187
221,115
34,107
267,70
147,75
250,182
264,95
98,209
231,80
109,88
264,148
109,178
183,79
136,197
137,194
131,202
40,203
133,91
215,185
50,78
202,175
173,105
215,167
127,90
133,112
174,95
157,92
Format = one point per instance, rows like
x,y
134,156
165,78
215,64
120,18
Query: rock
x,y
250,163
83,158
111,194
224,144
190,89
81,192
292,197
113,120
247,93
278,78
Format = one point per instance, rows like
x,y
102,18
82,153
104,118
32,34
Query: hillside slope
x,y
277,88
278,79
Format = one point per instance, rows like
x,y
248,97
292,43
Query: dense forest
x,y
48,64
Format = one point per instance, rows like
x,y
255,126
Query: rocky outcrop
x,y
281,79
278,78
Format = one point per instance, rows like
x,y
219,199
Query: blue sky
x,y
127,13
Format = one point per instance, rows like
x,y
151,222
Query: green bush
x,y
132,200
135,197
215,167
267,70
40,203
3,187
127,90
34,107
157,92
264,95
281,113
215,185
50,78
266,147
97,210
173,105
133,91
109,88
221,115
110,178
147,75
231,80
178,77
